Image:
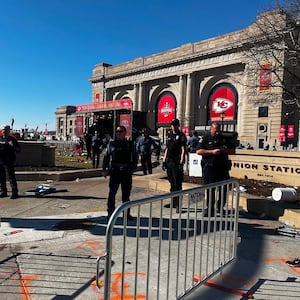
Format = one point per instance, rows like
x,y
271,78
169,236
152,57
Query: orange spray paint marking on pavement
x,y
24,285
116,287
283,261
212,284
92,246
237,280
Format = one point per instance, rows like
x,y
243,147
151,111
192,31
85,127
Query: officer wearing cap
x,y
8,148
174,158
119,162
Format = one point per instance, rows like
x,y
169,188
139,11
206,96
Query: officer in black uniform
x,y
145,145
173,160
8,148
119,162
97,143
215,163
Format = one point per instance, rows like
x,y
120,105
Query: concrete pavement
x,y
49,245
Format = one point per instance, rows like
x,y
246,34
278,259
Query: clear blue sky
x,y
48,48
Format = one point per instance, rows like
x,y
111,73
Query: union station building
x,y
212,80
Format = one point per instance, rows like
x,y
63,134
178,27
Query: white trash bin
x,y
284,194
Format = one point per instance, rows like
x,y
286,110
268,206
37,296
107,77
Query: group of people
x,y
95,143
215,162
121,157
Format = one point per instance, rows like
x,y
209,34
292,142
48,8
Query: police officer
x,y
97,143
215,164
8,148
145,145
120,160
173,160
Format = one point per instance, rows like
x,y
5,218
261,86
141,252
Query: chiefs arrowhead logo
x,y
221,104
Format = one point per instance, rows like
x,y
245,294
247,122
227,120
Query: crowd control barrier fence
x,y
163,254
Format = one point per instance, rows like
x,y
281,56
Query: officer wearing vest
x,y
8,148
119,162
215,165
173,160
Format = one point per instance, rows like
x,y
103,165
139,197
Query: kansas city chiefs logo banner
x,y
222,104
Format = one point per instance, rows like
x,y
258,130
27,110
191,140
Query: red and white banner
x,y
291,132
97,97
125,121
107,105
166,109
79,127
265,77
222,104
282,133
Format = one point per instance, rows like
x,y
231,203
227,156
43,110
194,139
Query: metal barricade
x,y
166,255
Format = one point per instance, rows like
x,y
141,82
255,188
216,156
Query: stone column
x,y
188,102
136,97
181,99
140,99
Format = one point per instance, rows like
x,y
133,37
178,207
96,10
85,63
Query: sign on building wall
x,y
126,122
97,97
265,77
79,126
282,133
166,109
107,105
223,103
291,132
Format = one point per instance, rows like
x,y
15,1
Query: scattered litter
x,y
43,189
294,263
13,232
242,189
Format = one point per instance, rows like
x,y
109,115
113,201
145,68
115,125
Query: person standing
x,y
173,160
97,143
193,142
8,148
215,165
145,145
119,162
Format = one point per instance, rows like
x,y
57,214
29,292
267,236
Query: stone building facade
x,y
203,82
66,122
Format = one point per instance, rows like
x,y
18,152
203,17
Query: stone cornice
x,y
196,57
174,70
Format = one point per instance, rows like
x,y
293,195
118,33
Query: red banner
x,y
79,127
107,105
97,97
222,104
282,133
291,132
185,130
166,109
126,122
265,77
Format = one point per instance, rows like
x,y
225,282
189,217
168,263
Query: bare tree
x,y
272,56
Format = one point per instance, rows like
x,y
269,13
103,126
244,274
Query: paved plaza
x,y
49,246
